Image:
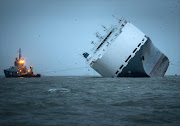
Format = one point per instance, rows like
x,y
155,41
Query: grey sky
x,y
53,33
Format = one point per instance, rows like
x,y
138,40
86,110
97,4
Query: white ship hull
x,y
128,52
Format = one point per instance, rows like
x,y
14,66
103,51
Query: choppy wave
x,y
90,101
58,90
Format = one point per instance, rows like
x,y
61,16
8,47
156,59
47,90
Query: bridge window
x,y
134,50
121,66
117,72
128,58
139,44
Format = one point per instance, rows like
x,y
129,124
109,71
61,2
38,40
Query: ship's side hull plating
x,y
128,52
147,62
14,74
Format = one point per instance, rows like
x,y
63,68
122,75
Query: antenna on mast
x,y
105,29
119,20
99,35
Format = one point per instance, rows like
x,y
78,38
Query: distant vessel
x,y
19,70
126,52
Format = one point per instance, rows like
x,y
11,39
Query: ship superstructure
x,y
126,52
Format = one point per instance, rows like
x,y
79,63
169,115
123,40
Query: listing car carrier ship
x,y
125,51
19,70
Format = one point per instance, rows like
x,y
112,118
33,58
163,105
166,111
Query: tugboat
x,y
19,70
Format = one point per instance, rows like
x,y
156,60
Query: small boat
x,y
19,70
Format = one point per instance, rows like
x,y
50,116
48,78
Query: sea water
x,y
90,101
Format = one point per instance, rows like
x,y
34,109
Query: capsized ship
x,y
19,70
125,51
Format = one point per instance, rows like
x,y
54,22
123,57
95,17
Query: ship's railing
x,y
104,40
117,29
112,34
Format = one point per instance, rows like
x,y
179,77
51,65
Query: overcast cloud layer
x,y
54,33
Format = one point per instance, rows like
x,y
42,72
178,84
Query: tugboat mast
x,y
19,53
